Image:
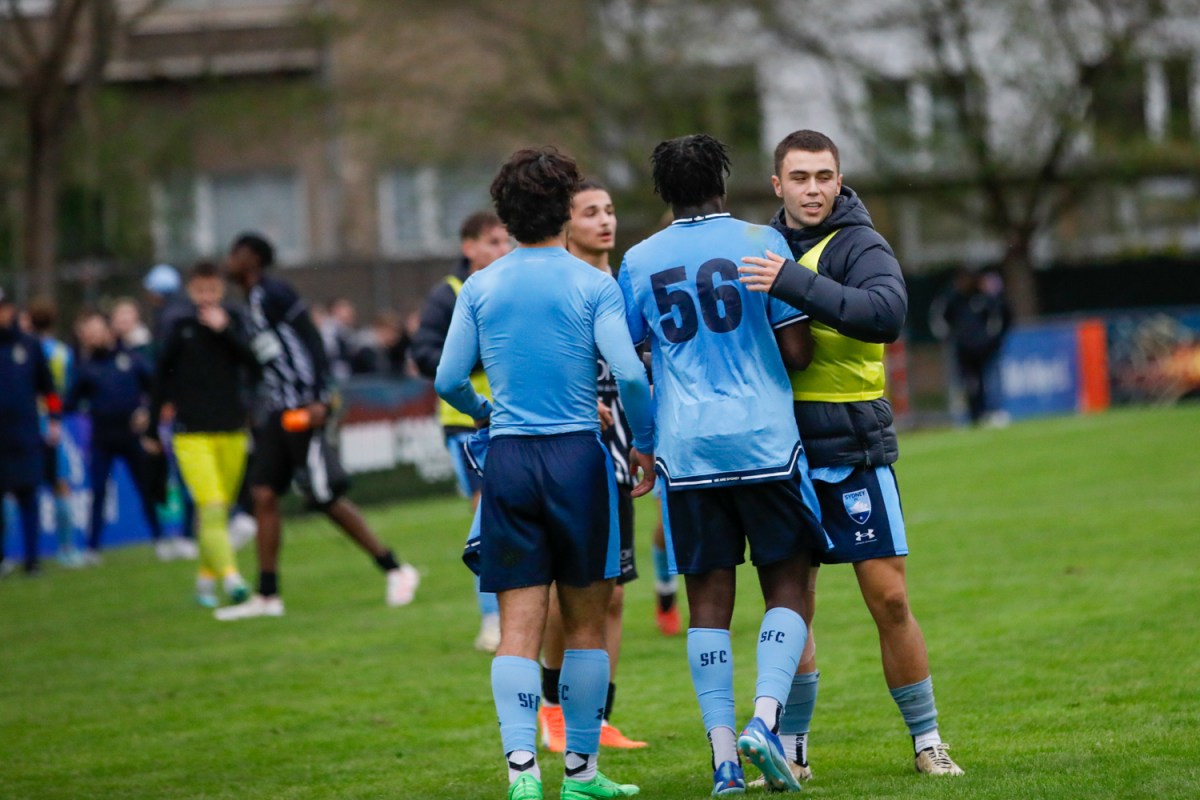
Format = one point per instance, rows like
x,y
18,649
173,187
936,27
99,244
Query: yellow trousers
x,y
211,465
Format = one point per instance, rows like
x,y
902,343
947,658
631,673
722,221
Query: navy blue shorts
x,y
469,481
549,512
708,529
861,512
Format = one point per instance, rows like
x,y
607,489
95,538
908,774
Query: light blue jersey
x,y
724,402
536,319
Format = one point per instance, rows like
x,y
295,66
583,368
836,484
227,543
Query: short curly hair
x,y
533,192
690,170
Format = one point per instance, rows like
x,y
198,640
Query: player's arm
x,y
795,345
614,343
460,354
161,385
430,338
301,321
868,305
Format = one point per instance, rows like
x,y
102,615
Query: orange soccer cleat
x,y
554,728
611,737
668,621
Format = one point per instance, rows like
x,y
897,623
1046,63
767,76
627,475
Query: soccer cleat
x,y
165,550
762,748
554,728
611,737
598,786
402,585
235,586
936,761
242,530
728,779
206,599
801,772
91,558
70,558
489,634
185,548
525,787
668,621
256,606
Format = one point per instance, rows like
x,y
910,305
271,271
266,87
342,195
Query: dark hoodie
x,y
427,343
858,290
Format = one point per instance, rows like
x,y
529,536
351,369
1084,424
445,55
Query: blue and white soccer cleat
x,y
762,748
728,779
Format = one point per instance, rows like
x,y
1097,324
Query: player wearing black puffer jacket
x,y
844,275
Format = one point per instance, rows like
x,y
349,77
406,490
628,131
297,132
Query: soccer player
x,y
590,238
25,377
42,318
114,383
548,510
203,370
728,450
847,279
483,240
295,379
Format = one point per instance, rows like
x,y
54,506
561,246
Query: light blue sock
x,y
780,643
582,690
488,604
517,690
710,657
916,706
662,570
802,699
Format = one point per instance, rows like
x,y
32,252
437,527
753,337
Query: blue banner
x,y
1040,372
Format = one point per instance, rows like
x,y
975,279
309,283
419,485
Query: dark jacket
x,y
205,374
24,376
430,338
858,290
113,384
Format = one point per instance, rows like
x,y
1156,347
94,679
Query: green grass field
x,y
1054,571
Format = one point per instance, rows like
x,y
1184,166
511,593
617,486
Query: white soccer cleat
x,y
489,634
936,761
801,772
402,585
91,558
185,548
165,550
242,530
256,606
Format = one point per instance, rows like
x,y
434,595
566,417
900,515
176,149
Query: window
x,y
1179,112
200,216
1119,103
891,122
421,208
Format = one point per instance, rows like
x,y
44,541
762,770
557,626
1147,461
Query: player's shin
x,y
515,689
582,690
710,658
780,643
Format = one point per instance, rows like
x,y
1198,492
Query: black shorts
x,y
708,529
305,457
625,517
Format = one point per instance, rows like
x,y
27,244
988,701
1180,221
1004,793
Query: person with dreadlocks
x,y
728,450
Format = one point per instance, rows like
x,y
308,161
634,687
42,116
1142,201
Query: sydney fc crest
x,y
19,355
123,362
858,505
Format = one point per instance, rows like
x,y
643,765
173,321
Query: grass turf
x,y
1053,571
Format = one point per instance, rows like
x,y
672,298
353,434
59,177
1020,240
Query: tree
x,y
53,54
1018,80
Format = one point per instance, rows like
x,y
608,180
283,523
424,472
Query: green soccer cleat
x,y
598,786
525,787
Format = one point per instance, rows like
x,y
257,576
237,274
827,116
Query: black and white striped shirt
x,y
287,346
619,437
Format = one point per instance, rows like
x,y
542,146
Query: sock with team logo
x,y
780,643
520,762
710,657
516,684
582,689
797,716
919,712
